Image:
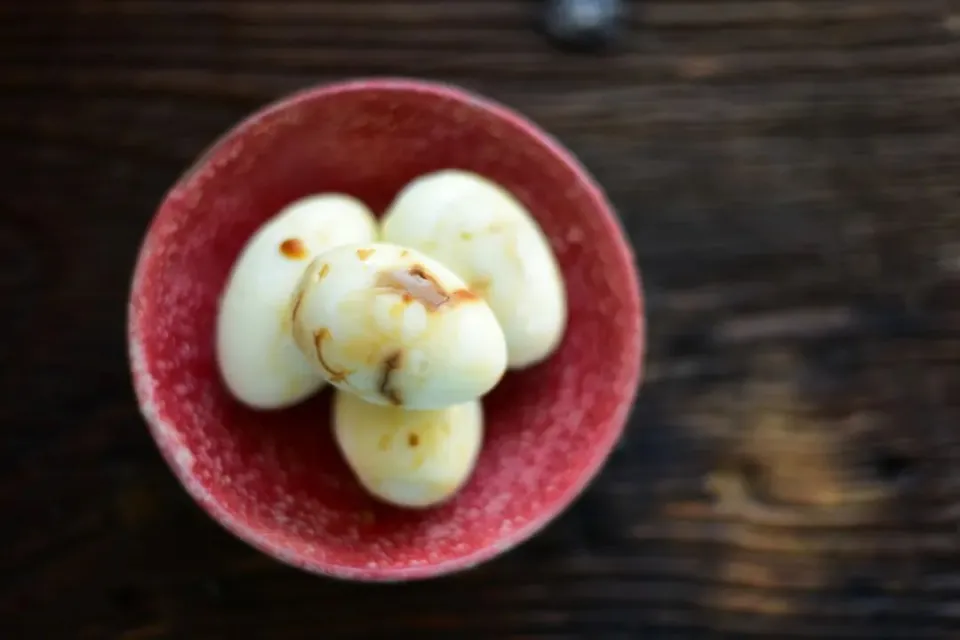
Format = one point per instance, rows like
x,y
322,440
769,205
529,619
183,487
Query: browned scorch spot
x,y
319,336
297,301
416,283
390,364
464,295
293,248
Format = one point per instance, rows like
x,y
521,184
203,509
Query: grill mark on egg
x,y
416,283
319,336
464,295
293,248
390,364
297,301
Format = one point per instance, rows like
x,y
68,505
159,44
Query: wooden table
x,y
789,172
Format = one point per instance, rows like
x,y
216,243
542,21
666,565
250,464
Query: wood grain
x,y
788,472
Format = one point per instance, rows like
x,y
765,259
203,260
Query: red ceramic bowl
x,y
275,479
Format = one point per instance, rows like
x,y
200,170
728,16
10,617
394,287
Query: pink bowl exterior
x,y
181,454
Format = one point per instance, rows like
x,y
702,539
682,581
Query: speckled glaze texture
x,y
275,479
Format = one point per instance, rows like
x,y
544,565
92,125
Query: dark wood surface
x,y
789,172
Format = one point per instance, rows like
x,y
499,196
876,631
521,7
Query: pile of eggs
x,y
412,322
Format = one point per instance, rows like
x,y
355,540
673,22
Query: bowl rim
x,y
179,458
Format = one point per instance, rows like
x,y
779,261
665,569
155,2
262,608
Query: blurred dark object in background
x,y
584,25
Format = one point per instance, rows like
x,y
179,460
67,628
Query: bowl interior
x,y
276,478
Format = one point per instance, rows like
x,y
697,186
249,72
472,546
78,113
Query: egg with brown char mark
x,y
397,328
413,459
488,238
256,355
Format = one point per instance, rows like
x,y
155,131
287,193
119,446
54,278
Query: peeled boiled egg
x,y
487,237
258,359
408,458
396,328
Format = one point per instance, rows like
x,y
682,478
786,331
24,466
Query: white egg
x,y
396,327
408,458
489,239
258,359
